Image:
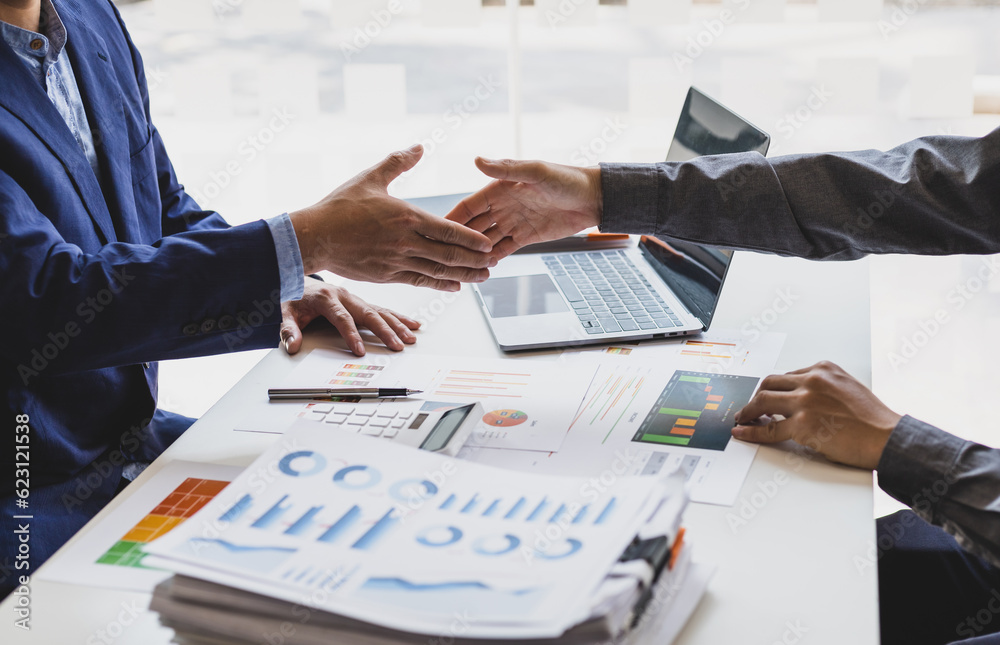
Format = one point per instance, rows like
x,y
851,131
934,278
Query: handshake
x,y
358,231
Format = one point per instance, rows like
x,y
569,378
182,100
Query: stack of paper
x,y
343,538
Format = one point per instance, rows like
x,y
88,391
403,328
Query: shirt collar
x,y
48,44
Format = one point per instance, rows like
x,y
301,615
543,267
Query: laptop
x,y
654,290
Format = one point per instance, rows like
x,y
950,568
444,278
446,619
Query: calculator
x,y
442,431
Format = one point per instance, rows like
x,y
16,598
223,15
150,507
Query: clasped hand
x,y
360,232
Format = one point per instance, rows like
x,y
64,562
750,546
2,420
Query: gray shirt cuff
x,y
917,457
286,246
947,481
631,195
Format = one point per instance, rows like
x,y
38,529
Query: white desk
x,y
791,572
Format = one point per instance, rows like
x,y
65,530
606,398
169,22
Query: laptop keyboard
x,y
608,294
372,419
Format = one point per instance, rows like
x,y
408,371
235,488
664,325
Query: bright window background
x,y
267,105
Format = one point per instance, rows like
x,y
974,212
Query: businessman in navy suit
x,y
107,266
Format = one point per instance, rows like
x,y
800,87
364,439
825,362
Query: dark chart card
x,y
696,410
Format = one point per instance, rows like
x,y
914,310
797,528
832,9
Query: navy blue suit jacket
x,y
101,278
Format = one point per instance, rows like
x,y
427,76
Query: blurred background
x,y
267,105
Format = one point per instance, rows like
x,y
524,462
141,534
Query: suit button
x,y
226,322
190,329
207,325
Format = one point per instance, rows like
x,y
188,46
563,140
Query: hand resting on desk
x,y
346,312
824,408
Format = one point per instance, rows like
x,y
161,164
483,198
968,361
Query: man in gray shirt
x,y
932,196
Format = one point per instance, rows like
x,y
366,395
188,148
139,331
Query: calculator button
x,y
386,414
357,421
321,407
371,431
378,423
336,419
365,412
398,424
405,415
389,433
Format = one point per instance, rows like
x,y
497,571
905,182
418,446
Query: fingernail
x,y
739,431
359,347
286,342
413,148
487,160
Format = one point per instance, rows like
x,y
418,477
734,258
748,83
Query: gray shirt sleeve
x,y
947,481
935,196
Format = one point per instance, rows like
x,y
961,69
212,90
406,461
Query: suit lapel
x,y
103,101
25,98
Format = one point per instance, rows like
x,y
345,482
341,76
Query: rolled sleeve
x,y
286,246
948,481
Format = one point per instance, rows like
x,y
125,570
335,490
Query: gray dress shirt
x,y
932,196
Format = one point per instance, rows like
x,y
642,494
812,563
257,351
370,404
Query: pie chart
x,y
504,418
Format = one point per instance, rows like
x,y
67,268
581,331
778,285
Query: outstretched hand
x,y
530,202
822,407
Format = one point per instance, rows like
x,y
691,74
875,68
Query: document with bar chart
x,y
696,409
652,409
112,553
528,404
406,538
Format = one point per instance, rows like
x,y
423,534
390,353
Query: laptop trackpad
x,y
525,295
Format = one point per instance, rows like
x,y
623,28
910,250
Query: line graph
x,y
611,397
478,385
716,353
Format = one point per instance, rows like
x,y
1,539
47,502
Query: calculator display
x,y
445,428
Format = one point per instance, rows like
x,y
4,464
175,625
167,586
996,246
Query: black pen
x,y
323,393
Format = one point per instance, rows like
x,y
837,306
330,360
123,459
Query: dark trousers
x,y
931,591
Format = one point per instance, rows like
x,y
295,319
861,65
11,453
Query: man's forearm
x,y
936,195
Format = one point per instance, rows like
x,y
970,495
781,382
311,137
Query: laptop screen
x,y
695,272
706,127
